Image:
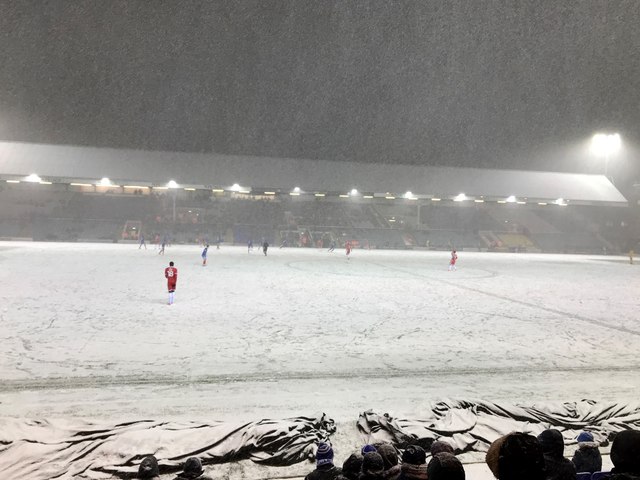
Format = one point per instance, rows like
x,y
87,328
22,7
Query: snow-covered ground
x,y
86,331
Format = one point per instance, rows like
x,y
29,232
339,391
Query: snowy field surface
x,y
86,331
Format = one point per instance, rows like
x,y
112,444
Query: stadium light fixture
x,y
409,195
461,197
354,191
560,201
605,145
511,199
296,189
104,182
34,178
172,184
235,187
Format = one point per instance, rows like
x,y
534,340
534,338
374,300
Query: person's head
x,y
440,447
389,455
324,454
445,466
367,448
552,443
585,437
414,455
192,467
171,264
148,468
625,452
352,466
372,464
517,456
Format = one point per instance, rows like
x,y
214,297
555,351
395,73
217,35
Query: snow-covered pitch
x,y
86,331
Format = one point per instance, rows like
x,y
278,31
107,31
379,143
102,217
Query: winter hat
x,y
625,452
439,447
520,458
367,448
389,455
443,466
352,465
193,467
552,443
372,463
414,455
585,437
148,467
324,455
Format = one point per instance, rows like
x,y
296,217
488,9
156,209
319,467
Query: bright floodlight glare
x,y
172,184
235,187
354,191
559,201
105,181
33,178
511,198
408,195
606,144
296,189
461,197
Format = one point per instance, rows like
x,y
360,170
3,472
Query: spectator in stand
x,y
149,468
414,464
372,467
516,456
325,469
390,458
352,466
440,447
192,470
445,466
556,466
587,457
625,456
367,448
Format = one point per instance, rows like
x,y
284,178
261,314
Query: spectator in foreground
x,y
556,466
587,457
440,447
414,466
148,468
192,470
352,466
390,459
445,466
372,467
516,456
325,469
625,456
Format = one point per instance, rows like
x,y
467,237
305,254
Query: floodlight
x,y
172,184
354,191
296,189
606,144
105,182
33,178
461,197
511,199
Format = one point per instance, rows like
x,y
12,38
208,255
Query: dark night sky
x,y
460,83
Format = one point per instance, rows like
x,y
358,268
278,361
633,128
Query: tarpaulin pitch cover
x,y
62,449
473,426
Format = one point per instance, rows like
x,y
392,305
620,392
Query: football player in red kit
x,y
171,274
347,247
452,262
